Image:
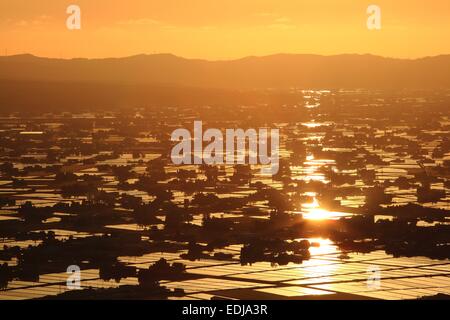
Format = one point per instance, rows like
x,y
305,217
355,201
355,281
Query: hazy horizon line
x,y
223,59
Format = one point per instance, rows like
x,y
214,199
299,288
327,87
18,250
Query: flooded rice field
x,y
363,185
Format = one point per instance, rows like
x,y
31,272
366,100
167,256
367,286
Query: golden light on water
x,y
318,214
324,246
313,211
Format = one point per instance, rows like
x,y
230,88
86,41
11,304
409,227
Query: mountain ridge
x,y
280,71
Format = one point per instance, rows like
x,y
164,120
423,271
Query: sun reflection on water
x,y
313,211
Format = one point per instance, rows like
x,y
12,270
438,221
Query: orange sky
x,y
224,29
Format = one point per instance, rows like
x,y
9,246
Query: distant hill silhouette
x,y
275,71
27,80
